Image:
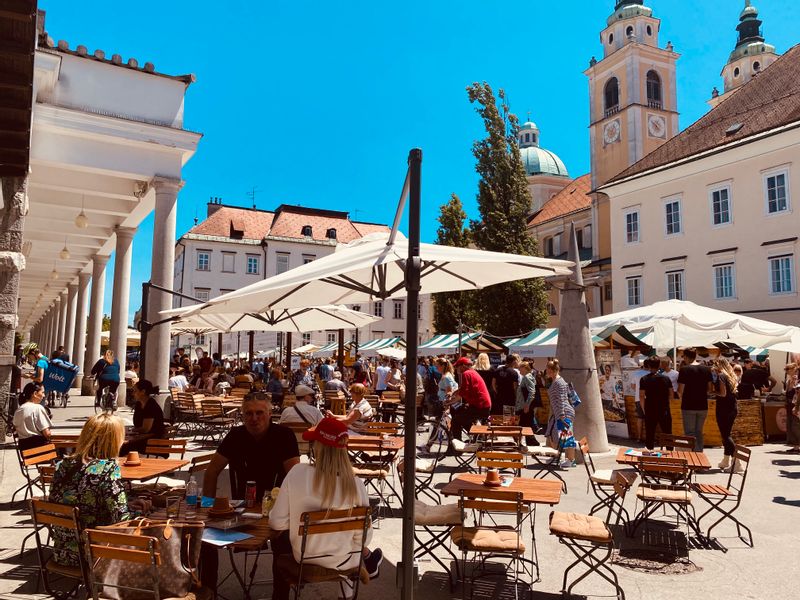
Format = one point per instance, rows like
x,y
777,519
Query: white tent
x,y
133,337
680,324
306,349
370,268
373,347
398,353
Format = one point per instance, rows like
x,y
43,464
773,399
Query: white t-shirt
x,y
366,410
311,413
179,382
297,495
382,373
31,419
673,377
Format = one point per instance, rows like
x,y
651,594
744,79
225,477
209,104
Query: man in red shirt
x,y
473,391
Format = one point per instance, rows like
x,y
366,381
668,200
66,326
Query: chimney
x,y
213,205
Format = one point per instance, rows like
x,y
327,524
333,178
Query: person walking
x,y
727,411
695,382
526,401
559,429
106,372
655,395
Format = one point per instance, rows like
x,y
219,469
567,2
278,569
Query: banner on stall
x,y
611,384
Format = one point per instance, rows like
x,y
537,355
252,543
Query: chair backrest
x,y
682,442
492,502
654,468
46,474
138,549
736,479
211,408
504,461
391,395
50,514
588,463
39,455
379,428
616,506
497,432
166,447
200,463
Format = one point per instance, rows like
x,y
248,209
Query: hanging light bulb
x,y
64,254
53,273
82,221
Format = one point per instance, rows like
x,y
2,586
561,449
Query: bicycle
x,y
108,401
439,439
57,398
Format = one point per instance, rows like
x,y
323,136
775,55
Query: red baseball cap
x,y
463,362
330,432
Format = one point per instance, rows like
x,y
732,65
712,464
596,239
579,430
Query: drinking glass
x,y
173,507
508,415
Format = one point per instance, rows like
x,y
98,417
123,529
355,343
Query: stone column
x,y
157,359
52,322
95,319
62,321
79,342
13,208
120,300
69,331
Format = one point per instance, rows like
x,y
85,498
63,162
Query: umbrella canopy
x,y
312,318
398,353
306,349
133,337
543,343
371,267
372,347
681,323
447,343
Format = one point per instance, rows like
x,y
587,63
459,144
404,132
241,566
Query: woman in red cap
x,y
327,484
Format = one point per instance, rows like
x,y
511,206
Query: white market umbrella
x,y
374,267
398,353
313,318
133,337
305,349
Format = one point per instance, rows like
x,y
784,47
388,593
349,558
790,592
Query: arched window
x,y
306,231
551,309
629,31
756,66
653,89
331,234
611,96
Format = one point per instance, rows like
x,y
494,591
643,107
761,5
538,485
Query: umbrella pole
x,y
407,569
340,352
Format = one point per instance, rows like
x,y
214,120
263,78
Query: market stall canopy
x,y
542,343
373,267
371,348
398,353
134,337
447,343
618,336
306,349
680,323
311,318
329,350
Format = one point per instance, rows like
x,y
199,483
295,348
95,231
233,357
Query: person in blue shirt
x,y
106,372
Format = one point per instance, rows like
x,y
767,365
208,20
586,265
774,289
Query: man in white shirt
x,y
670,373
302,411
178,380
382,374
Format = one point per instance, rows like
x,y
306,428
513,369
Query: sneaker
x,y
566,464
372,563
423,449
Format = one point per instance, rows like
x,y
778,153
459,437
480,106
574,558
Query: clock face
x,y
656,126
611,132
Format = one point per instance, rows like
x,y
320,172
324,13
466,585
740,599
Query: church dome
x,y
537,160
627,9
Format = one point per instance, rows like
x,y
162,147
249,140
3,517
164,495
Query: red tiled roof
x,y
766,102
573,198
254,223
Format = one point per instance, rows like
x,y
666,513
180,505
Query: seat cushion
x,y
370,473
581,527
542,451
424,466
460,446
606,476
444,514
663,494
487,539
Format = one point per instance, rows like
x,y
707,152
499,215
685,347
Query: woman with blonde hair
x,y
361,410
328,484
90,480
726,388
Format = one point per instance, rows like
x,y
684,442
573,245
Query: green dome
x,y
537,160
628,10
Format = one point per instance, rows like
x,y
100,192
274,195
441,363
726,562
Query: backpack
x,y
573,397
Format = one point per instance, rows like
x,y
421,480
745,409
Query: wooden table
x,y
392,443
150,468
477,430
534,491
695,461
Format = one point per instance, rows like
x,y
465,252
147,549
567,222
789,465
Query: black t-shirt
x,y
260,460
752,379
726,403
695,380
505,378
656,388
151,410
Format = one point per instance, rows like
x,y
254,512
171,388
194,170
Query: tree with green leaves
x,y
504,202
453,308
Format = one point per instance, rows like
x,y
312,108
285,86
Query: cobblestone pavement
x,y
771,507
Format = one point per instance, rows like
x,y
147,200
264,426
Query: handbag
x,y
179,545
573,397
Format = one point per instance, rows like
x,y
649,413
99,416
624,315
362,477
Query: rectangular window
x,y
307,258
632,227
306,338
201,294
672,210
203,260
228,262
579,237
608,291
777,196
377,309
634,291
721,206
331,337
253,265
724,281
281,263
781,274
200,340
223,292
398,310
587,236
675,285
378,335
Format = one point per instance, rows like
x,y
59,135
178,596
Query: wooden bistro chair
x,y
547,462
590,539
433,525
379,428
374,464
30,462
140,551
725,499
485,540
299,428
602,481
502,461
505,438
187,411
678,442
215,420
166,448
45,516
325,522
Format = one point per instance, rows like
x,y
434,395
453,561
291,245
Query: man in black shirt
x,y
655,394
694,385
754,378
504,384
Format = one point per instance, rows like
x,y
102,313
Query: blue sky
x,y
317,103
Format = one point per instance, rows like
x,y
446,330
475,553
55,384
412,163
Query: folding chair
x,y
677,496
165,448
507,438
424,470
432,528
299,429
373,463
465,453
30,461
379,428
46,515
548,462
670,441
586,536
325,522
490,541
136,549
602,481
719,497
215,420
502,461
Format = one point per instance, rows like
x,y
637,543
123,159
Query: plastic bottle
x,y
191,497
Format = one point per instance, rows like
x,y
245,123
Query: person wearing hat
x,y
473,391
327,484
303,411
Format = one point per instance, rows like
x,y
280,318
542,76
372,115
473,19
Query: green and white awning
x,y
447,343
371,348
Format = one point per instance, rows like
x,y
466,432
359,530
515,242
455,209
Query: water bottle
x,y
191,497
